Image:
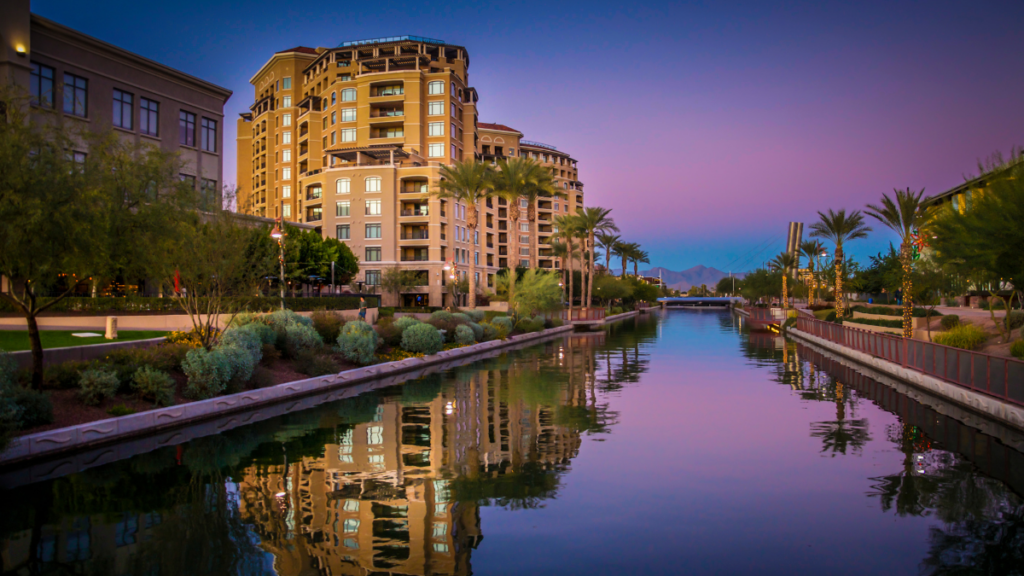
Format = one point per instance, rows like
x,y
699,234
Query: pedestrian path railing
x,y
582,314
770,315
995,376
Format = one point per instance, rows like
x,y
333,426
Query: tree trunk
x,y
907,262
785,300
472,219
37,351
814,284
513,248
590,281
840,309
572,296
625,263
531,218
608,259
636,268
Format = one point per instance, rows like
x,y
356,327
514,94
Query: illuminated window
x,y
348,114
435,108
435,88
373,184
435,129
435,151
343,186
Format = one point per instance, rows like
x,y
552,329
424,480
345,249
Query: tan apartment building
x,y
99,85
352,139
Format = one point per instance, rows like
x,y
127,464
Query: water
x,y
675,444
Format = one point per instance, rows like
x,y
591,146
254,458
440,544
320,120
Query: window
x,y
287,211
149,117
455,153
435,150
286,155
208,193
373,207
524,203
348,135
524,263
42,85
342,232
453,89
351,525
524,251
343,186
348,114
334,118
188,179
373,184
348,95
436,108
373,277
524,239
556,208
78,158
524,227
286,138
435,88
435,129
476,237
286,173
342,208
476,258
76,95
286,102
372,255
286,191
373,231
454,132
286,83
208,135
334,138
334,98
511,151
286,120
454,109
186,128
122,109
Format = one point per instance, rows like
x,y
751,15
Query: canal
x,y
675,443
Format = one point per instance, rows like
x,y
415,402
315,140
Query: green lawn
x,y
14,340
821,314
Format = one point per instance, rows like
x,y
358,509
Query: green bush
x,y
208,373
475,315
461,317
1017,349
357,342
556,322
246,338
10,411
385,311
314,363
388,330
97,384
502,322
65,375
464,335
490,332
404,322
875,322
964,336
949,322
892,311
831,317
154,385
442,315
1016,319
538,324
240,363
478,331
616,310
280,319
8,370
422,339
120,410
327,324
301,337
36,408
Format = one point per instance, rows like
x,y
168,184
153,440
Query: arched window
x,y
436,87
334,98
348,95
453,89
373,184
344,186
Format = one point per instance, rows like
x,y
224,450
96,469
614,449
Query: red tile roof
x,y
487,126
301,49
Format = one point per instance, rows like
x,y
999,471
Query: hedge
x,y
143,304
888,311
875,322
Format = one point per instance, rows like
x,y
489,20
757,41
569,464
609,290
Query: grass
x,y
15,340
822,314
875,322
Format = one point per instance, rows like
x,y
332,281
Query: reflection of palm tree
x,y
841,435
993,546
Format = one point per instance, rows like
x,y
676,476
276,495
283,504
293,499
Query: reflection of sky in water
x,y
681,445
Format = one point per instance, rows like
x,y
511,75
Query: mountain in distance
x,y
693,277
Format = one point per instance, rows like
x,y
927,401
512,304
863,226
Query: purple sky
x,y
706,128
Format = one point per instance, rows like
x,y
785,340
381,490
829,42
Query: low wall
x,y
162,322
75,438
80,353
1004,412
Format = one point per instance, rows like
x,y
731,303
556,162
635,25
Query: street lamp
x,y
278,234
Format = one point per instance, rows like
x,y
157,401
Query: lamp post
x,y
278,234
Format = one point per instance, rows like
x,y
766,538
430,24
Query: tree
x,y
639,256
394,280
608,288
903,215
560,250
593,220
760,283
623,251
725,286
514,180
568,230
839,228
783,263
65,222
607,241
542,186
470,183
812,249
538,292
309,255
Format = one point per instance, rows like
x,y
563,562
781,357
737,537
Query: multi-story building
x,y
352,139
100,86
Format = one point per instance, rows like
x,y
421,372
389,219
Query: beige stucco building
x,y
352,139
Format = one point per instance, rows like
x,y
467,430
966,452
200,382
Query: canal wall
x,y
1003,412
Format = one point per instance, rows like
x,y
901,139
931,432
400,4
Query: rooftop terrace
x,y
388,39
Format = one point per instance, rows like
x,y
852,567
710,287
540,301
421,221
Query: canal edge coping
x,y
70,438
1003,412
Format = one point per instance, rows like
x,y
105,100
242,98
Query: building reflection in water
x,y
388,482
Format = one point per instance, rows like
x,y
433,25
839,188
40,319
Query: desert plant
x,y
65,375
388,331
282,318
300,337
502,322
357,342
154,385
489,331
208,373
97,384
1015,319
327,324
422,339
964,336
36,407
404,322
314,363
1017,349
464,335
461,317
949,321
247,338
478,331
442,315
120,410
840,228
475,315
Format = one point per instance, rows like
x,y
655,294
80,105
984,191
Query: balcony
x,y
490,244
424,211
314,194
419,255
386,113
415,187
415,235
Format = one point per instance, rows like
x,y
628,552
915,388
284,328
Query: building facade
x,y
352,139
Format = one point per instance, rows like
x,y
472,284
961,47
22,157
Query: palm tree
x,y
811,249
607,242
467,182
568,226
840,227
622,250
903,215
594,220
560,250
784,262
639,257
514,180
541,186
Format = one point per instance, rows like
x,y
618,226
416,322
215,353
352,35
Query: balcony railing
x,y
314,195
415,258
416,235
314,217
416,212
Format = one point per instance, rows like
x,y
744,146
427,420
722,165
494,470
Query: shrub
x,y
538,324
556,322
261,378
313,363
327,324
167,356
8,370
964,336
208,373
1017,349
97,384
246,338
65,375
502,322
461,317
831,316
120,410
191,338
442,315
240,363
475,315
478,331
422,339
300,337
383,311
154,385
525,325
357,342
949,321
616,310
388,331
36,408
280,319
404,322
246,318
464,335
270,354
1016,319
490,332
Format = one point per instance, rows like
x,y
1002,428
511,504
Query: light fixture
x,y
276,233
20,49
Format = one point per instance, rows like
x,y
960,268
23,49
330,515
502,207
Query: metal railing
x,y
1002,378
416,235
769,315
582,314
416,212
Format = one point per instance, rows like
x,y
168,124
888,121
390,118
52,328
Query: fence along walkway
x,y
1001,378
